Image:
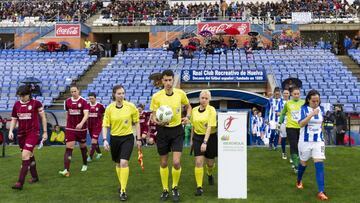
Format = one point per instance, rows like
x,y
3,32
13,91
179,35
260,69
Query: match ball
x,y
164,114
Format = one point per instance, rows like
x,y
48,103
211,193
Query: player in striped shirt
x,y
311,141
96,113
273,117
286,95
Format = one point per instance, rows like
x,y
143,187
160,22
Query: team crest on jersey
x,y
178,110
126,122
79,105
96,109
29,107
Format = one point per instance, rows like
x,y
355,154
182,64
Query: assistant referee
x,y
120,116
170,136
204,139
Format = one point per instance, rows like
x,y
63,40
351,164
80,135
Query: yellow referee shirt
x,y
120,120
202,119
175,101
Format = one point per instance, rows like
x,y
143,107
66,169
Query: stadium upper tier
x,y
55,70
317,68
154,12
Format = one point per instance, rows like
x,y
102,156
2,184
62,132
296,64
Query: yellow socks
x,y
210,170
118,169
175,176
164,174
124,176
199,174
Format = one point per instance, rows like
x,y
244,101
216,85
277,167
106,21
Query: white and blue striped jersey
x,y
259,125
274,107
312,132
281,106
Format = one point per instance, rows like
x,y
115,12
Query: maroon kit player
x,y
96,113
26,113
144,124
77,110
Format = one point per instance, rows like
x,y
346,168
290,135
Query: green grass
x,y
270,179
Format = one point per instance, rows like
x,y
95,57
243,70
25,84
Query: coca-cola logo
x,y
67,30
243,28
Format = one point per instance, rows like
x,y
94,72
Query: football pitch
x,y
270,179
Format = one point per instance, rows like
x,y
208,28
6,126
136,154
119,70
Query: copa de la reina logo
x,y
229,127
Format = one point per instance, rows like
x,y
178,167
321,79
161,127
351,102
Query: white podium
x,y
232,155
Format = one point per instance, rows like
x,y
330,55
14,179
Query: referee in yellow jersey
x,y
170,136
120,116
204,139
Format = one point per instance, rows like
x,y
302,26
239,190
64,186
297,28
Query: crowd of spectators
x,y
163,13
63,10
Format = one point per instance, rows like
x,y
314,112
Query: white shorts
x,y
315,150
283,130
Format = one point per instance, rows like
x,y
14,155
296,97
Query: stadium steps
x,y
351,65
82,82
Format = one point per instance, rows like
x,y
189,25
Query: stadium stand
x,y
355,55
45,13
317,68
55,70
161,13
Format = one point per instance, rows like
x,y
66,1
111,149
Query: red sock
x,y
98,149
92,150
23,171
33,171
84,155
67,158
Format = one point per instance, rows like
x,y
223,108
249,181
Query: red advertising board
x,y
215,27
67,30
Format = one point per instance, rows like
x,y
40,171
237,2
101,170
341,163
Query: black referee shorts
x,y
121,147
211,148
169,139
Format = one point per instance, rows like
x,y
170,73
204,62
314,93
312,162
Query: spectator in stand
x,y
136,44
347,44
87,44
166,46
321,43
108,47
57,136
120,47
129,46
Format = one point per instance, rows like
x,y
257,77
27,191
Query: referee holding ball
x,y
204,139
120,117
170,136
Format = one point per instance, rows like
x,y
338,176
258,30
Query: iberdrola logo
x,y
228,127
228,124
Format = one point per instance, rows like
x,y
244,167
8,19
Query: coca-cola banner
x,y
215,27
67,30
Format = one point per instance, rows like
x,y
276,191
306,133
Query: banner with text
x,y
67,30
232,155
223,76
214,27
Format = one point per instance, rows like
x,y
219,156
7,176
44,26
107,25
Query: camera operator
x,y
341,124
